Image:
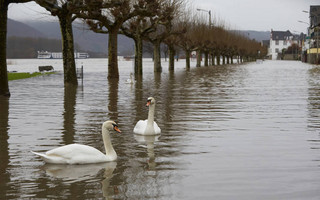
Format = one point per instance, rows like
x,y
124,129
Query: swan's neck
x,y
107,143
151,116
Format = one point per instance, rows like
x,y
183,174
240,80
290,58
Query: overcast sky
x,y
259,15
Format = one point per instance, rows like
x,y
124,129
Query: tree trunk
x,y
231,57
171,57
212,59
4,86
206,59
187,58
228,60
138,56
199,57
157,56
69,66
223,60
113,71
218,59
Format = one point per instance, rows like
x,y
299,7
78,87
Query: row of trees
x,y
155,21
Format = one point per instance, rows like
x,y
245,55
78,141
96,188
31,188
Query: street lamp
x,y
303,22
208,11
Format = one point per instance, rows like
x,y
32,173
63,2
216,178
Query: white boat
x,y
44,55
58,55
81,55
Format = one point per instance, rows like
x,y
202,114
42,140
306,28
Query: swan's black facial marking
x,y
116,128
148,102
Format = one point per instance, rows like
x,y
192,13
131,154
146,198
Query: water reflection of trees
x,y
4,147
314,98
70,94
314,105
113,99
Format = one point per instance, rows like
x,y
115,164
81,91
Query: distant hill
x,y
257,35
19,29
85,38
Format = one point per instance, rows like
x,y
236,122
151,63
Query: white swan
x,y
83,154
149,126
131,80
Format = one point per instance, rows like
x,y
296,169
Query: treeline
x,y
171,22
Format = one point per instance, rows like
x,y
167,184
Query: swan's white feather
x,y
74,154
141,126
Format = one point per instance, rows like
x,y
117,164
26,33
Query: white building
x,y
280,40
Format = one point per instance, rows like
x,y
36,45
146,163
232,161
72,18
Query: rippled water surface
x,y
246,131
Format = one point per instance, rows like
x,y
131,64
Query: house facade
x,y
280,40
313,51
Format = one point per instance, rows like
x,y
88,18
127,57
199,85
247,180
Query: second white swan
x,y
149,126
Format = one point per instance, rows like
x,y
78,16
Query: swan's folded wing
x,y
157,129
140,127
75,154
71,150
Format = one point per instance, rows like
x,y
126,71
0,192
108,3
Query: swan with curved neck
x,y
83,154
131,80
149,126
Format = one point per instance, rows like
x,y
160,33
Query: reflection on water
x,y
76,173
314,107
4,148
113,100
148,142
70,174
246,131
70,93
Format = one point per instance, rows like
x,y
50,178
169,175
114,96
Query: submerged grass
x,y
16,75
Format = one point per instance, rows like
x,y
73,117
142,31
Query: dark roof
x,y
280,35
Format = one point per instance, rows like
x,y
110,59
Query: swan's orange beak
x,y
148,103
117,129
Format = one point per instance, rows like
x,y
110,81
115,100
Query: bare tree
x,y
185,40
173,39
163,29
4,4
64,10
107,17
137,28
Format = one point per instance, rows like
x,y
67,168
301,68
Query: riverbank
x,y
16,75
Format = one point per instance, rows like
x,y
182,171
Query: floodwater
x,y
246,131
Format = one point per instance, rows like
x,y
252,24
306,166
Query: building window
x,y
285,42
277,50
277,42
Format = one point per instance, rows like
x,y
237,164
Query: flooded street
x,y
246,131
